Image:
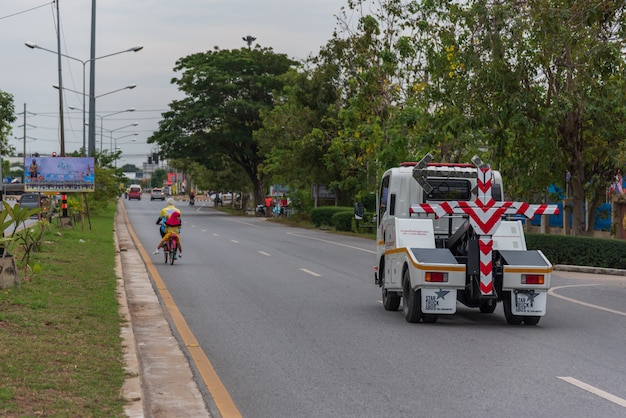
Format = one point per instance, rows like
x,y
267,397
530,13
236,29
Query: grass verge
x,y
60,344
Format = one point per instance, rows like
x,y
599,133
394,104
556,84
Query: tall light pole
x,y
102,117
115,130
32,45
121,137
61,123
132,109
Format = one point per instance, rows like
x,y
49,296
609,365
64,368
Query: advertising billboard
x,y
59,174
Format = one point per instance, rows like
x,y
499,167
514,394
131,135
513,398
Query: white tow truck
x,y
446,234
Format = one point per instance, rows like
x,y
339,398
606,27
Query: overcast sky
x,y
167,30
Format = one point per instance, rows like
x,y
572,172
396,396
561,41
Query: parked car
x,y
34,200
134,192
157,193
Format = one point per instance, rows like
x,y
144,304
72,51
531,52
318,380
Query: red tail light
x,y
436,276
532,279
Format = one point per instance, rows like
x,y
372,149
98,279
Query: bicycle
x,y
170,249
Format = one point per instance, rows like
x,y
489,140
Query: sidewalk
x,y
160,382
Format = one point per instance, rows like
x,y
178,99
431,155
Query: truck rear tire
x,y
391,301
411,300
511,318
531,320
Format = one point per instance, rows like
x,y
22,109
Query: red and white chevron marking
x,y
485,245
485,215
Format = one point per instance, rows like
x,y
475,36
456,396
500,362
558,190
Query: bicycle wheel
x,y
172,247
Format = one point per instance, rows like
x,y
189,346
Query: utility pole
x,y
92,85
61,123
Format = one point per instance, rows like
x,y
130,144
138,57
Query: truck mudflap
x,y
529,302
441,301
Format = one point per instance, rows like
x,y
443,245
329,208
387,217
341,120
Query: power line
x,y
25,11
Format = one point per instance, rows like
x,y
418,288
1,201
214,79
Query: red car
x,y
134,192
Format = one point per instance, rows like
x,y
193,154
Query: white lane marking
x,y
216,235
312,273
246,223
332,242
594,390
264,253
589,305
235,241
203,230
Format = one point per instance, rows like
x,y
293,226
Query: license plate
x,y
439,301
530,303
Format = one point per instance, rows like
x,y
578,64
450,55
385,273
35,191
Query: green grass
x,y
60,345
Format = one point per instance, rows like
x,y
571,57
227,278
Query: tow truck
x,y
445,234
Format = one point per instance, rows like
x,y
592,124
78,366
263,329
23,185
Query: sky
x,y
166,29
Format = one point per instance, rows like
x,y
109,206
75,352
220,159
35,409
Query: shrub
x,y
579,251
324,214
342,221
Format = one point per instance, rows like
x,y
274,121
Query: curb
x,y
132,388
590,270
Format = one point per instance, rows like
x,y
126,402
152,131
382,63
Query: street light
x,y
129,87
32,45
114,130
122,137
132,109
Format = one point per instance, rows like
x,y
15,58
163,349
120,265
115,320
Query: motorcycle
x,y
260,210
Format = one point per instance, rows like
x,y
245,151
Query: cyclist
x,y
170,219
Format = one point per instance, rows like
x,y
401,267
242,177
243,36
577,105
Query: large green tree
x,y
225,91
539,85
298,130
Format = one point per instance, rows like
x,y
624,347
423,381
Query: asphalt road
x,y
293,324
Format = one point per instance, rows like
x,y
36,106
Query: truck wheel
x,y
428,318
508,313
488,306
531,320
411,300
391,301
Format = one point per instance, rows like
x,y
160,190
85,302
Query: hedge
x,y
342,221
579,251
324,214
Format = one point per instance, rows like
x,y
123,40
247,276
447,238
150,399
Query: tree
x,y
225,92
298,130
7,116
539,85
130,168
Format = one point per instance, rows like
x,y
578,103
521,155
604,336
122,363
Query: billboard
x,y
59,174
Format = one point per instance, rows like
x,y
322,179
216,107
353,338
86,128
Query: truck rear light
x,y
436,276
532,279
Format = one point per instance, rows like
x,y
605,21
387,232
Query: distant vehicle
x,y
157,193
34,200
224,197
134,192
31,200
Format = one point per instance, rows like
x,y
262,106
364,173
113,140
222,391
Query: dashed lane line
x,y
332,242
312,273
